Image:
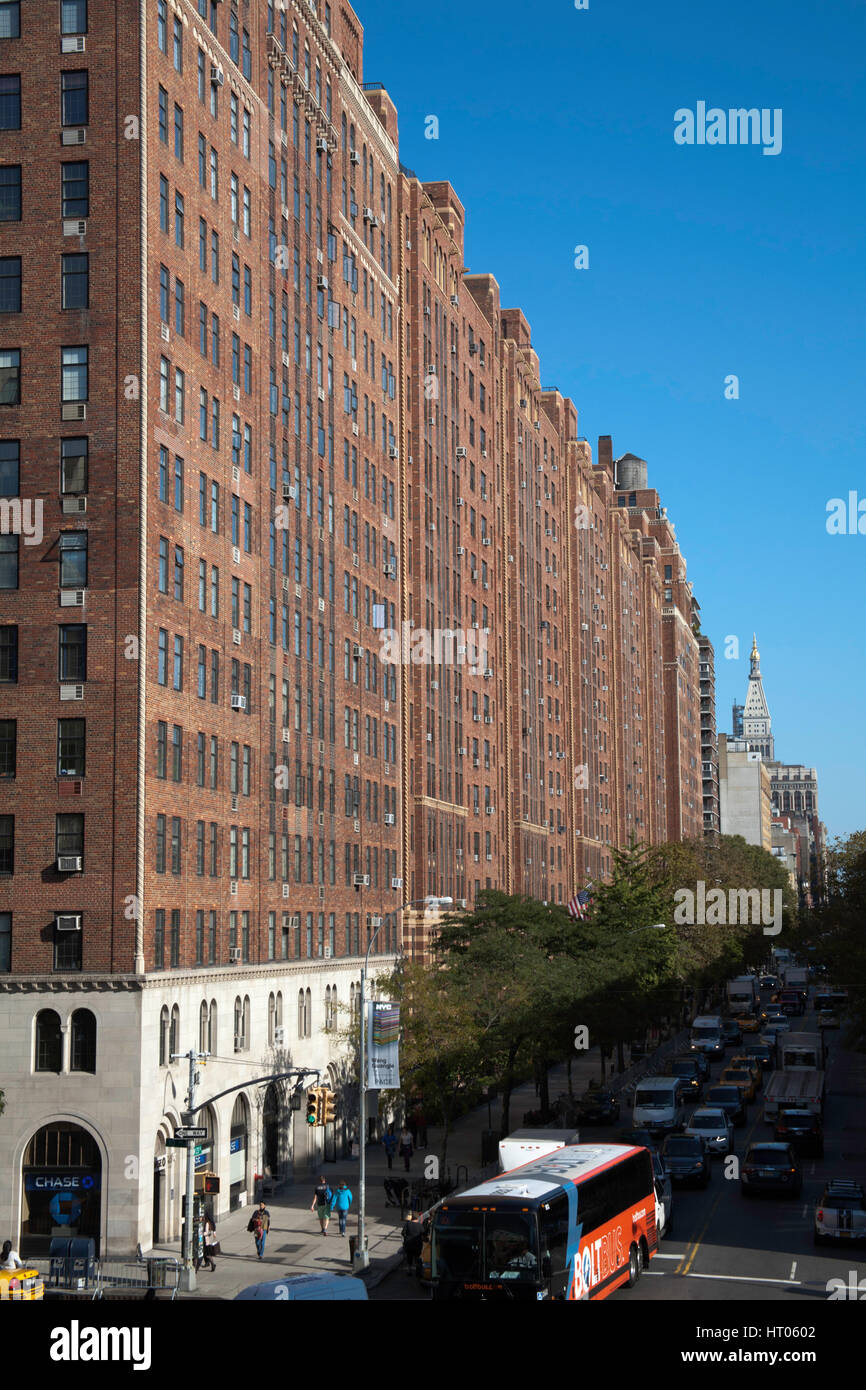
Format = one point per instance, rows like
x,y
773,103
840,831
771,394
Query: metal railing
x,y
148,1275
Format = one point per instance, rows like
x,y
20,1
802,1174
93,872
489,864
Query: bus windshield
x,y
475,1245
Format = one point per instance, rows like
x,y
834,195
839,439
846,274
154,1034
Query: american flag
x,y
579,904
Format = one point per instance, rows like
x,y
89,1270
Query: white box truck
x,y
525,1144
743,994
801,1089
706,1035
799,1050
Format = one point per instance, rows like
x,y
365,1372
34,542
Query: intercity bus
x,y
574,1224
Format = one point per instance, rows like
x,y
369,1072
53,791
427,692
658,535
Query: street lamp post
x,y
362,1254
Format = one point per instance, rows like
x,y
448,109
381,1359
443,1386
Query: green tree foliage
x,y
835,930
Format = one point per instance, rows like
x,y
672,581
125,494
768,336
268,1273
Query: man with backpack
x,y
321,1204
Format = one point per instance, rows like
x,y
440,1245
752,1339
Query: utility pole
x,y
188,1279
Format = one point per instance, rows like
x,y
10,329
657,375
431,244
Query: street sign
x,y
192,1132
175,1143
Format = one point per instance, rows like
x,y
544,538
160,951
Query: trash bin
x,y
489,1146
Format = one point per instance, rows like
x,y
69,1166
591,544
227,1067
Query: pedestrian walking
x,y
341,1201
389,1144
211,1244
9,1258
407,1147
412,1240
420,1127
260,1224
321,1204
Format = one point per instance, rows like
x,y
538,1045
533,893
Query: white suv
x,y
714,1127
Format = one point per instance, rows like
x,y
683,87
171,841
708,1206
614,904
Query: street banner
x,y
383,1045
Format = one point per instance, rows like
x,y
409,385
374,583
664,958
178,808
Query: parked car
x,y
840,1216
828,1018
714,1127
664,1194
770,1168
686,1159
731,1031
688,1071
598,1107
802,1130
753,1064
741,1077
728,1098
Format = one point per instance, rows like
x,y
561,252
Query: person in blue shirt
x,y
340,1203
389,1144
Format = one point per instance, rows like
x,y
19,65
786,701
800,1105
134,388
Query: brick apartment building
x,y
291,431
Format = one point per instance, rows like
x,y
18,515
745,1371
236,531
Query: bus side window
x,y
554,1242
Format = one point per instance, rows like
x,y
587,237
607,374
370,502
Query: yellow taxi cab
x,y
751,1064
21,1285
749,1023
742,1078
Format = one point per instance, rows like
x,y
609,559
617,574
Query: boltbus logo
x,y
597,1259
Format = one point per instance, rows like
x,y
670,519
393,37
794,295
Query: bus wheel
x,y
633,1267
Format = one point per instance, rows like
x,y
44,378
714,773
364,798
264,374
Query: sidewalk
x,y
294,1245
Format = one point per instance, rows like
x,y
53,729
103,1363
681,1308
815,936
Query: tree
x,y
835,929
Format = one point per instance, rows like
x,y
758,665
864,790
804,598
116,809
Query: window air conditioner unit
x,y
321,282
71,598
322,145
74,506
390,819
369,215
392,451
396,883
73,410
217,78
239,1037
74,226
78,136
72,692
68,921
485,540
361,880
460,501
239,702
488,718
484,453
461,550
73,43
279,1036
289,494
354,157
69,863
356,650
295,920
235,954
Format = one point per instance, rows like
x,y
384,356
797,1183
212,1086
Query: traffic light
x,y
329,1112
313,1106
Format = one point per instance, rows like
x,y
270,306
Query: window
x,y
160,844
177,676
178,132
70,747
73,466
10,193
8,747
73,560
10,377
73,98
5,941
10,19
161,746
162,657
72,651
69,834
75,281
179,218
67,949
74,374
10,285
49,1041
7,844
82,1054
73,16
75,189
10,102
9,654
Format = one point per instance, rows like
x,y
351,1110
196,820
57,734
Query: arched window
x,y
301,1013
308,1012
247,1029
174,1033
163,1036
82,1055
333,1007
49,1041
203,1027
212,1027
352,999
272,1011
279,1014
327,1008
239,1024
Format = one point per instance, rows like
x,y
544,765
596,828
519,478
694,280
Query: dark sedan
x,y
686,1159
802,1130
729,1099
770,1168
731,1031
687,1070
598,1107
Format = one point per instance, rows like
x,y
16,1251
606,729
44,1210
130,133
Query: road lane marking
x,y
690,1255
793,1268
667,1257
745,1279
805,1208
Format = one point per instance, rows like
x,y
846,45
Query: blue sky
x,y
556,130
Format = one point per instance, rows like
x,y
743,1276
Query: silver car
x,y
714,1127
